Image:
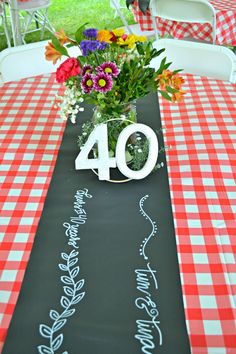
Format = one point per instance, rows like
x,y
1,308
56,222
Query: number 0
x,y
152,154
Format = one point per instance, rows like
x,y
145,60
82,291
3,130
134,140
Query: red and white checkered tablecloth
x,y
30,136
225,24
201,132
202,169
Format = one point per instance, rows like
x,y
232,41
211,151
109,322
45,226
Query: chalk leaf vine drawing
x,y
72,296
72,285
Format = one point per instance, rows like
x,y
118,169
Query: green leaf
x,y
166,66
163,66
57,45
140,49
82,59
171,90
165,95
177,71
128,156
79,33
158,52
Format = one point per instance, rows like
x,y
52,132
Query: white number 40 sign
x,y
104,162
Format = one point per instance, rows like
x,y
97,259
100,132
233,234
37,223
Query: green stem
x,y
96,58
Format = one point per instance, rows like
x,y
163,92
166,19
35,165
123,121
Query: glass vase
x,y
117,118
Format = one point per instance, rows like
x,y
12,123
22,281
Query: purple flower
x,y
88,46
90,33
109,68
91,46
102,82
87,83
87,69
102,45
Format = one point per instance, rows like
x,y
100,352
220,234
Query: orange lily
x,y
51,53
63,38
177,96
164,79
177,81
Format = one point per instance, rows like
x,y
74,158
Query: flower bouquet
x,y
111,71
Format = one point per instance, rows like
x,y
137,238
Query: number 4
x,y
103,163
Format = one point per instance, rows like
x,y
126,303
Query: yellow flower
x,y
118,32
128,40
51,53
104,36
140,38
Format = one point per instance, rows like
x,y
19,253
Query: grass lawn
x,y
70,14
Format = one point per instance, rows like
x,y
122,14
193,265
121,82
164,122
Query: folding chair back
x,y
30,61
197,58
190,11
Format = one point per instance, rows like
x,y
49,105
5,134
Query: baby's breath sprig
x,y
70,102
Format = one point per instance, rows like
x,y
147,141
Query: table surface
x,y
200,135
225,24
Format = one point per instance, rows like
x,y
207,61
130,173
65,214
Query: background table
x,y
202,169
225,24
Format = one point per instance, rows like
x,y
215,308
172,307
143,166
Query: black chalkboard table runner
x,y
103,276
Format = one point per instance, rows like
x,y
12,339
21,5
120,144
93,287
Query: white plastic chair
x,y
30,61
4,23
24,13
197,58
129,29
190,11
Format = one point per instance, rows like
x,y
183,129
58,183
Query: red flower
x,y
114,37
124,36
70,67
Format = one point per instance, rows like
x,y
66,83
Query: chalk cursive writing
x,y
148,329
72,227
